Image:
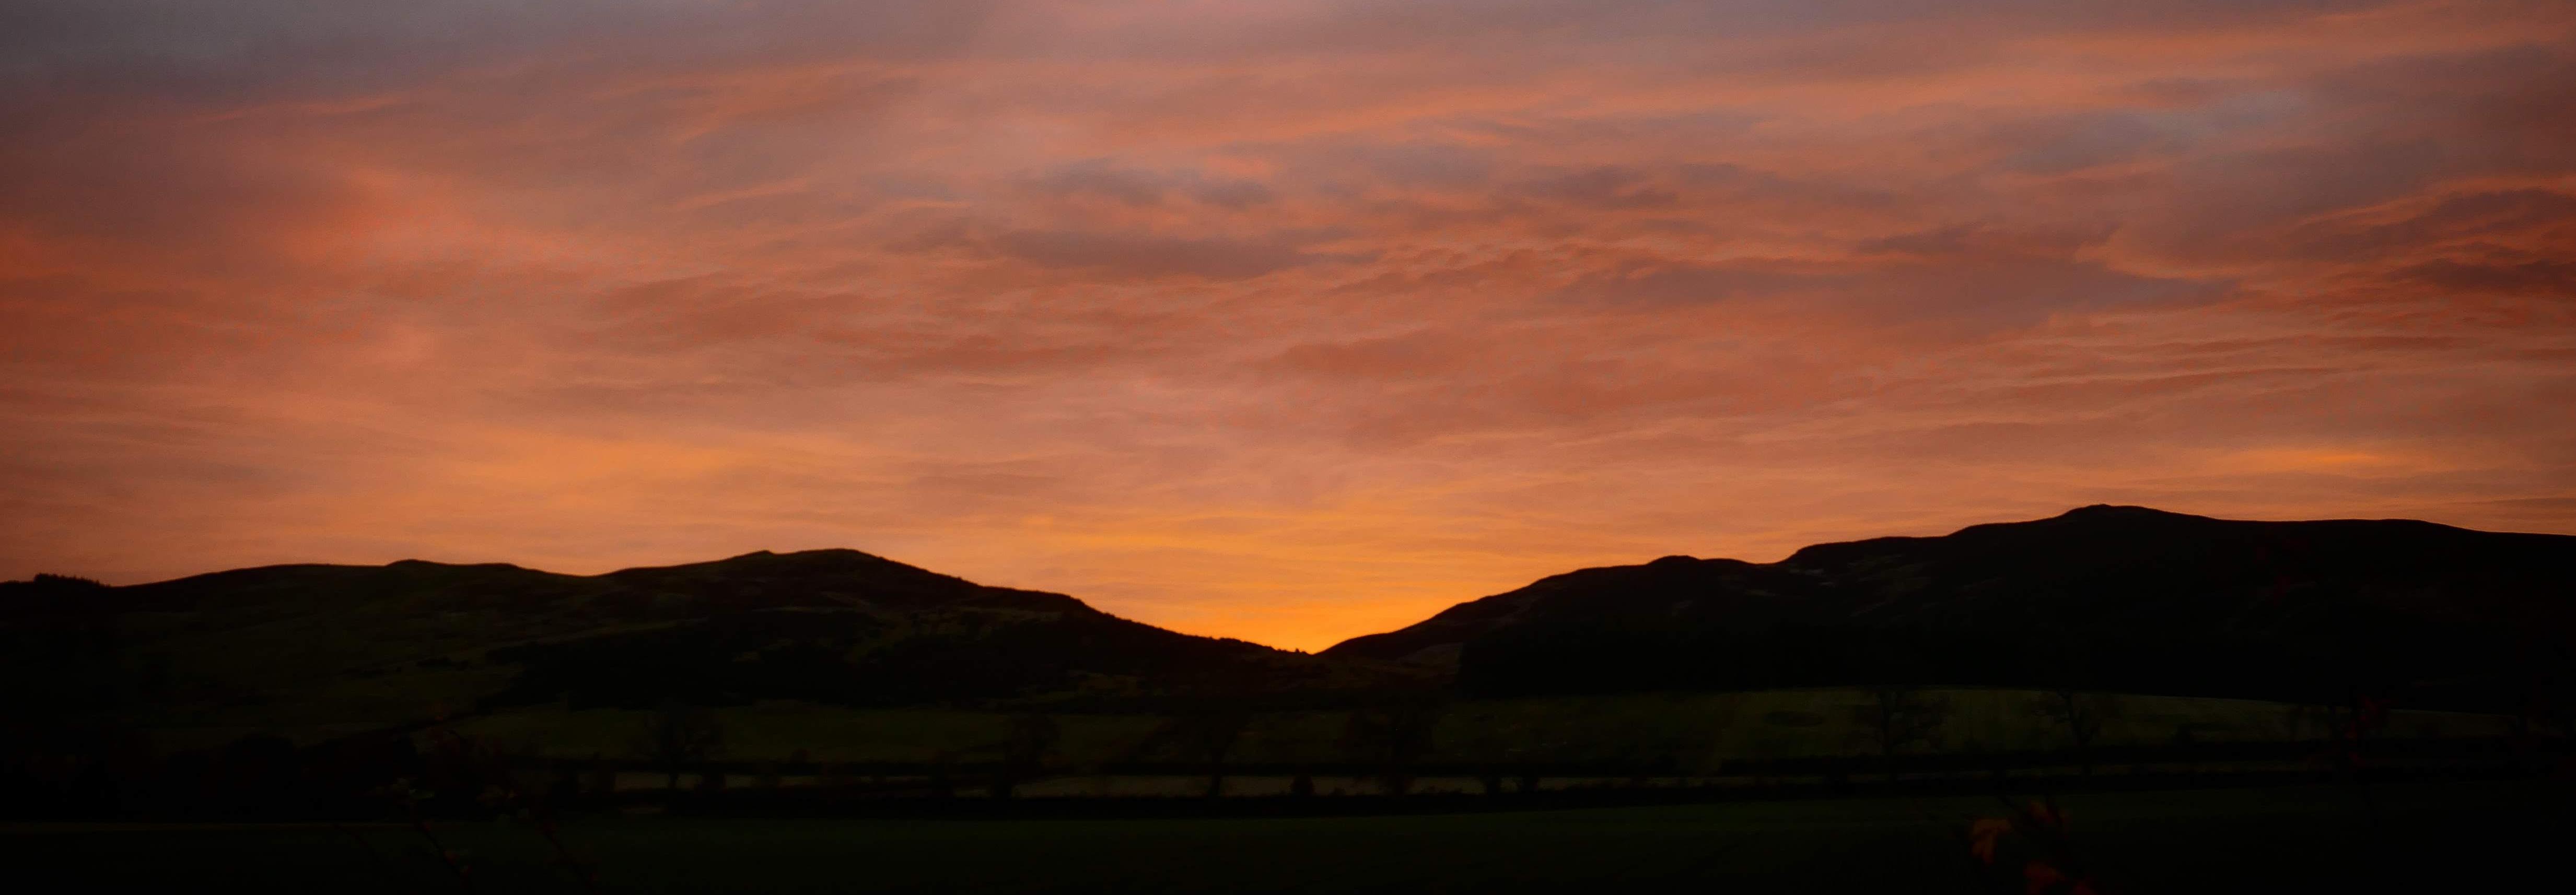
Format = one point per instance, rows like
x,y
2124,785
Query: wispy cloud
x,y
1284,320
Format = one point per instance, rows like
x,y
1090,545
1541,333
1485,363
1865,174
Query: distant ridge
x,y
306,645
2112,597
2102,597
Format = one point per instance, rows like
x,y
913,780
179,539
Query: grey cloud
x,y
1329,166
1950,277
2486,214
1145,188
1605,186
1148,256
2543,276
2074,143
252,49
1646,283
1574,27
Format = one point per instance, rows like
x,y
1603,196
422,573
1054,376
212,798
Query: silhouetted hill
x,y
2118,598
354,645
2109,598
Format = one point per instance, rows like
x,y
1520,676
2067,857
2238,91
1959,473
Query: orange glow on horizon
x,y
1287,321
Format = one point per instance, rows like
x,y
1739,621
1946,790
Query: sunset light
x,y
1286,321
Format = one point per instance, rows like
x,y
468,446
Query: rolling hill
x,y
2103,598
318,646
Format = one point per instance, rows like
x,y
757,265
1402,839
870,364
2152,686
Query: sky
x,y
1286,320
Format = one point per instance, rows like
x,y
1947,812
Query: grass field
x,y
1695,732
2432,836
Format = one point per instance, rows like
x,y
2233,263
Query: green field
x,y
2441,836
1693,732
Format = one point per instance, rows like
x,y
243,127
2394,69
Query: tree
x,y
1206,734
1392,736
1898,718
677,735
1212,734
2081,714
1024,751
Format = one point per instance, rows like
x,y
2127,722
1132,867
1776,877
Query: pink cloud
x,y
1288,321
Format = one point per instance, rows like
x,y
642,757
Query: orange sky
x,y
1283,320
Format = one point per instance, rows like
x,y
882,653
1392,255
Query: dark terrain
x,y
2309,839
836,627
2255,706
2123,599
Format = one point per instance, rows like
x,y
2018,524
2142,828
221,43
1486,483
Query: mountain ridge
x,y
2103,596
2107,597
322,644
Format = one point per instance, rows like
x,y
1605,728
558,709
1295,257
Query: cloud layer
x,y
1282,320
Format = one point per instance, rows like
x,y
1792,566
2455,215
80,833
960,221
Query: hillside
x,y
2107,635
2103,597
356,646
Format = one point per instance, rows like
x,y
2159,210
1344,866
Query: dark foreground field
x,y
2430,837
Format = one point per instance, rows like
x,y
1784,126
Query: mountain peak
x,y
2122,511
2107,595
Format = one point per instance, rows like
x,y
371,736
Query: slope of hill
x,y
307,646
2103,597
